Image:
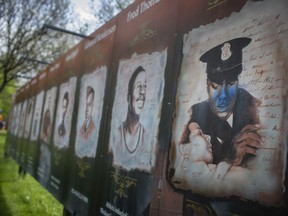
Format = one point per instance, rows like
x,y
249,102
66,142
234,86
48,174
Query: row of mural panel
x,y
164,113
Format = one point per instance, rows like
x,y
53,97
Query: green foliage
x,y
21,40
23,195
109,8
6,99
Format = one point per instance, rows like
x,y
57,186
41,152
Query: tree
x,y
20,38
5,98
108,8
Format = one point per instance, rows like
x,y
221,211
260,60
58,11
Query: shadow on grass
x,y
22,196
4,208
4,178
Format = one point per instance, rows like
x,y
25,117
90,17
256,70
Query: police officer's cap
x,y
224,62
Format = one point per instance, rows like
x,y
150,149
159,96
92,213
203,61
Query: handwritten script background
x,y
264,76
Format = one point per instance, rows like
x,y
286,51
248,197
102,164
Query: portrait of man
x,y
11,117
16,119
64,104
47,118
47,121
131,131
229,115
222,130
30,109
22,119
36,116
227,87
90,112
64,113
135,116
88,124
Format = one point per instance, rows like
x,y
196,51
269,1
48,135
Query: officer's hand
x,y
247,141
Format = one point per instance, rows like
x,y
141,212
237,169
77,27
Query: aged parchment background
x,y
264,76
97,80
70,87
154,65
51,93
36,116
29,115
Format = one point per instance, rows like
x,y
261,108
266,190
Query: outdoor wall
x,y
173,108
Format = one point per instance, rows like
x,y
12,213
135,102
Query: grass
x,y
20,196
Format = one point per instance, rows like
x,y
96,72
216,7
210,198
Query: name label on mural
x,y
141,8
100,37
54,67
72,55
42,76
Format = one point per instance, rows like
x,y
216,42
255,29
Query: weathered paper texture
x,y
86,142
144,156
48,115
264,76
36,116
63,124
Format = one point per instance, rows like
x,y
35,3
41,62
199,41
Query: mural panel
x,y
65,106
230,117
135,117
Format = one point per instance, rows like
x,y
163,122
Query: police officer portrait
x,y
222,130
227,129
229,116
225,125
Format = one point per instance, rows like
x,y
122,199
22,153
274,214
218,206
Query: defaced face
x,y
139,93
222,97
89,105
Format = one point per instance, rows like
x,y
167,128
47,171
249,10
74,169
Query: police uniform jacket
x,y
244,112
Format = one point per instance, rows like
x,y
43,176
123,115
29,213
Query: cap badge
x,y
226,52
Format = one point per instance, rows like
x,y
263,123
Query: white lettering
x,y
55,179
116,210
33,81
132,15
103,212
72,55
143,7
148,4
100,37
40,173
54,67
79,195
54,185
42,76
